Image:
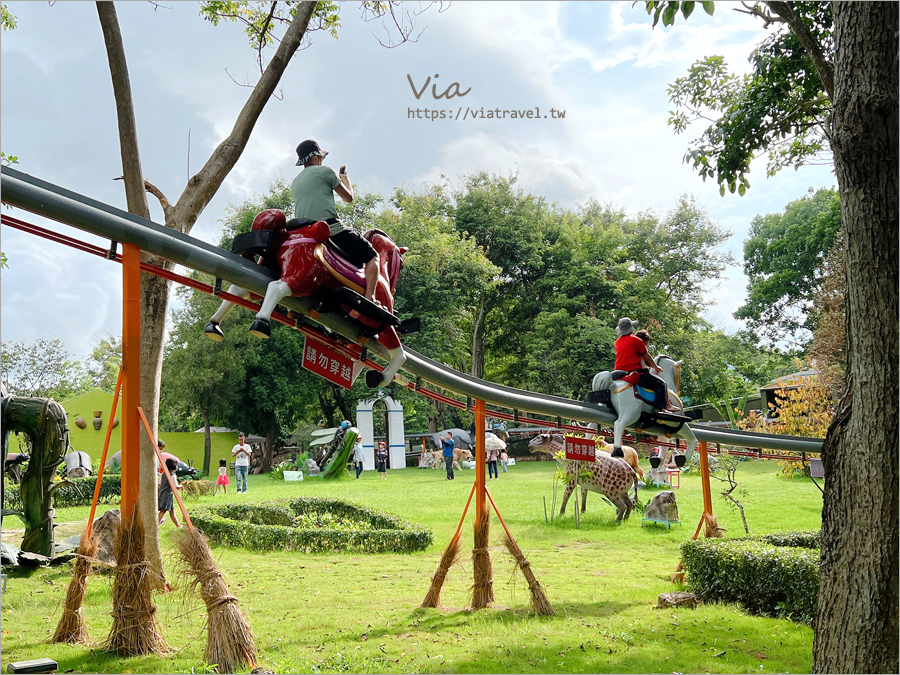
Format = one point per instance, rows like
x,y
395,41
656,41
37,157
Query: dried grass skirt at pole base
x,y
483,588
450,557
539,602
72,628
229,643
135,629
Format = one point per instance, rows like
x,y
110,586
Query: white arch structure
x,y
396,435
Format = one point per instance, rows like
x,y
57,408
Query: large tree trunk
x,y
857,616
180,216
207,440
269,448
152,324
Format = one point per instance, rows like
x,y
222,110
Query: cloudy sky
x,y
599,62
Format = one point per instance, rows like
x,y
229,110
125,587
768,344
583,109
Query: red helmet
x,y
270,219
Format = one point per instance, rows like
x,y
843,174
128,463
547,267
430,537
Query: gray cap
x,y
307,150
626,326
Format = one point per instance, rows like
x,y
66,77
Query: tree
x,y
859,591
784,260
41,369
104,362
199,189
199,375
779,109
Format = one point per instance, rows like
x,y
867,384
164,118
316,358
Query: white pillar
x,y
396,439
396,436
366,426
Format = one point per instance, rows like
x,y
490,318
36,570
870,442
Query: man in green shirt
x,y
313,191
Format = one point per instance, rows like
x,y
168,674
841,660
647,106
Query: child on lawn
x,y
222,481
166,498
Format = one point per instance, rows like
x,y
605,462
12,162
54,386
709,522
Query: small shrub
x,y
198,488
80,492
310,525
765,577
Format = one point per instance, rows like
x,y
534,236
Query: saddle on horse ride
x,y
607,383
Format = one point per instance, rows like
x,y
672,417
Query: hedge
x,y
762,576
80,493
310,525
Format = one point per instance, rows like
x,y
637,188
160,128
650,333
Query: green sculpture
x,y
43,420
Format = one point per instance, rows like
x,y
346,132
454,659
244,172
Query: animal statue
x,y
552,442
662,507
610,476
459,455
308,266
633,412
78,464
12,466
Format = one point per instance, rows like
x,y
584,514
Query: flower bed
x,y
310,525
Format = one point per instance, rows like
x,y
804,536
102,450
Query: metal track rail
x,y
56,203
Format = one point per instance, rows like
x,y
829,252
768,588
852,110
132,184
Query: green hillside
x,y
186,446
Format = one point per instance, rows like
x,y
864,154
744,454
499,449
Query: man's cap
x,y
307,150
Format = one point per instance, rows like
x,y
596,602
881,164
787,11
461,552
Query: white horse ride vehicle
x,y
633,406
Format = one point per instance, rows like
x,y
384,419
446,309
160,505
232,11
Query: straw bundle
x,y
135,629
72,628
539,602
712,527
483,588
229,642
448,560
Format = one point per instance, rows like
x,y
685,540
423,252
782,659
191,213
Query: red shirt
x,y
628,352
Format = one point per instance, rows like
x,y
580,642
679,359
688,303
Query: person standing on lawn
x,y
358,455
381,460
447,446
241,454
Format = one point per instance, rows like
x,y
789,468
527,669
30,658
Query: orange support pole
x,y
480,463
704,477
131,368
109,428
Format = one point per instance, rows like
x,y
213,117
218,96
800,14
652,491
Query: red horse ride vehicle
x,y
310,266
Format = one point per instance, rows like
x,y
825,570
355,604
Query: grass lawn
x,y
359,614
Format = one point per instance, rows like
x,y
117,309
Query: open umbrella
x,y
492,442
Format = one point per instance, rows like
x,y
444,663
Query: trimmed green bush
x,y
765,578
310,525
79,493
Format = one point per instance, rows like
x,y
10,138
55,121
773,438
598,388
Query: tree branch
x,y
812,47
202,186
128,144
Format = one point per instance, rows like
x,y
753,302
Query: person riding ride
x,y
633,358
313,190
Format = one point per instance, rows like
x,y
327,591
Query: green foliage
x,y
311,525
765,577
781,108
667,10
7,18
8,160
41,369
197,488
784,262
104,362
76,492
261,19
